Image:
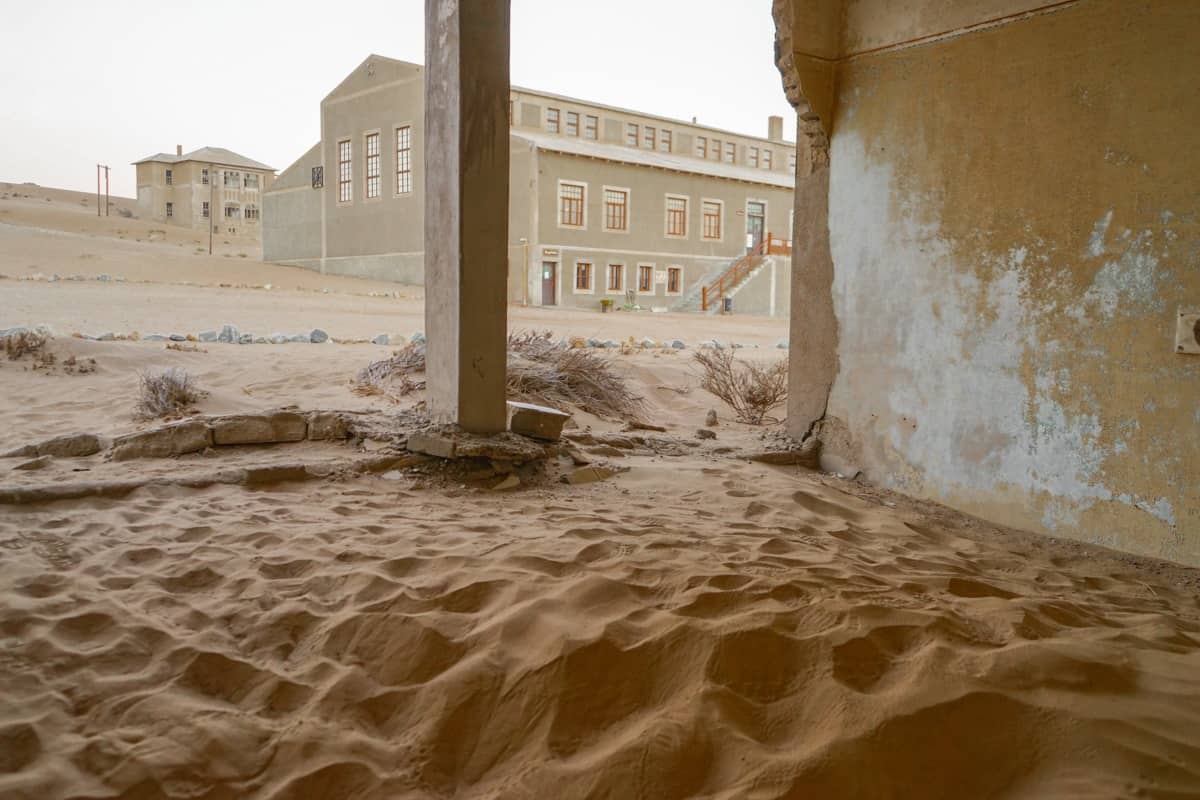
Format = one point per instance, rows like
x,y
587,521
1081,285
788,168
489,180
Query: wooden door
x,y
549,283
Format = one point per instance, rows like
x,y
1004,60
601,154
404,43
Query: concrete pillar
x,y
466,210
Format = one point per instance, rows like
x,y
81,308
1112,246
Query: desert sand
x,y
697,626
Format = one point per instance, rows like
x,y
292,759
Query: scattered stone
x,y
106,337
648,343
278,338
610,344
432,444
589,474
72,445
838,465
261,340
246,338
678,345
782,344
456,444
318,336
301,338
178,439
325,425
208,336
154,337
710,419
229,334
417,338
177,337
736,346
593,343
537,422
705,433
393,475
509,483
40,462
638,425
606,450
577,458
382,338
269,428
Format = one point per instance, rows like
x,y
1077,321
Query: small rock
x,y
577,458
609,343
648,343
736,346
154,337
589,474
417,338
325,425
106,337
208,336
261,340
382,338
509,483
246,338
318,336
537,422
782,344
177,337
432,444
393,475
606,450
229,334
593,343
678,345
38,463
710,419
301,338
71,445
704,433
838,465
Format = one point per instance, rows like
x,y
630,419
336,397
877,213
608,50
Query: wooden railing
x,y
713,293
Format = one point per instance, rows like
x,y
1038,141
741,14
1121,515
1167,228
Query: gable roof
x,y
655,158
211,155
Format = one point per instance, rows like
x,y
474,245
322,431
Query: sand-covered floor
x,y
697,626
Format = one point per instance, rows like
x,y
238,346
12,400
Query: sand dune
x,y
768,637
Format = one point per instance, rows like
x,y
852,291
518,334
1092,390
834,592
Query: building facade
x,y
605,203
211,185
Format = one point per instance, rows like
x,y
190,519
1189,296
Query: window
x,y
251,212
712,219
730,152
792,161
552,120
676,216
232,179
648,139
318,177
631,134
616,277
616,209
645,278
591,127
570,204
752,156
572,123
404,160
251,180
345,194
583,276
168,177
372,166
170,209
664,141
766,159
204,176
231,212
674,280
204,209
701,147
715,150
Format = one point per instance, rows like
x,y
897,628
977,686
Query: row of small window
x,y
231,212
555,123
615,278
248,180
572,212
372,167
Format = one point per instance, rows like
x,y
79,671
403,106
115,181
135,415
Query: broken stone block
x,y
509,483
325,425
178,439
537,422
269,428
710,419
71,445
704,433
606,450
589,474
432,444
40,462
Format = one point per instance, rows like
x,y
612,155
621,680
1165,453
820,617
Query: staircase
x,y
707,296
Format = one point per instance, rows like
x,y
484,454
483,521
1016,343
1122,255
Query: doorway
x,y
549,283
756,223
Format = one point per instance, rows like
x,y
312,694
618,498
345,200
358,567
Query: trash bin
x,y
727,305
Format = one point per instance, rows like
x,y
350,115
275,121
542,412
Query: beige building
x,y
605,203
211,184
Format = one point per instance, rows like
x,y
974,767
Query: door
x,y
549,283
756,223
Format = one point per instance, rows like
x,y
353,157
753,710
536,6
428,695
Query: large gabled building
x,y
605,203
211,185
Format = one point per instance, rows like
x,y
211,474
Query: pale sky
x,y
113,81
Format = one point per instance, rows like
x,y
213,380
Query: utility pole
x,y
212,187
106,203
97,190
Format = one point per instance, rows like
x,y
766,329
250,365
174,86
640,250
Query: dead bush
x,y
540,370
22,343
751,390
167,393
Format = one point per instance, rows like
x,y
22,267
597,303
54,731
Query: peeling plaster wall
x,y
1013,221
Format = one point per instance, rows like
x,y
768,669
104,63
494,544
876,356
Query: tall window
x,y
648,135
404,160
232,212
712,219
251,180
372,165
616,277
169,177
616,210
572,123
752,156
251,212
233,179
730,152
664,141
583,276
645,278
591,127
715,150
701,147
204,209
204,176
345,194
674,280
677,216
766,159
631,134
792,161
570,204
552,120
170,209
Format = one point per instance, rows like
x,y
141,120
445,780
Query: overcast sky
x,y
83,82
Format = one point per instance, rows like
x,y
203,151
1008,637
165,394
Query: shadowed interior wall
x,y
1013,228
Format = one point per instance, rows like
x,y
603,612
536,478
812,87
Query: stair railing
x,y
714,292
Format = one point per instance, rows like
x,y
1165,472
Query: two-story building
x,y
211,185
605,203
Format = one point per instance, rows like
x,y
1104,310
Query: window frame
x,y
553,123
644,265
701,150
170,210
205,210
633,131
767,159
752,156
345,196
572,121
649,134
628,206
563,182
718,146
591,287
677,269
591,127
720,204
667,137
169,176
367,176
729,156
204,176
687,202
396,151
608,273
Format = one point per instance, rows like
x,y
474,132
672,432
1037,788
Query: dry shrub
x,y
168,393
751,390
21,343
540,370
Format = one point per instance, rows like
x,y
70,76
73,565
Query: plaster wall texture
x,y
1014,227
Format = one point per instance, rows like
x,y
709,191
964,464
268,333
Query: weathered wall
x,y
1013,227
